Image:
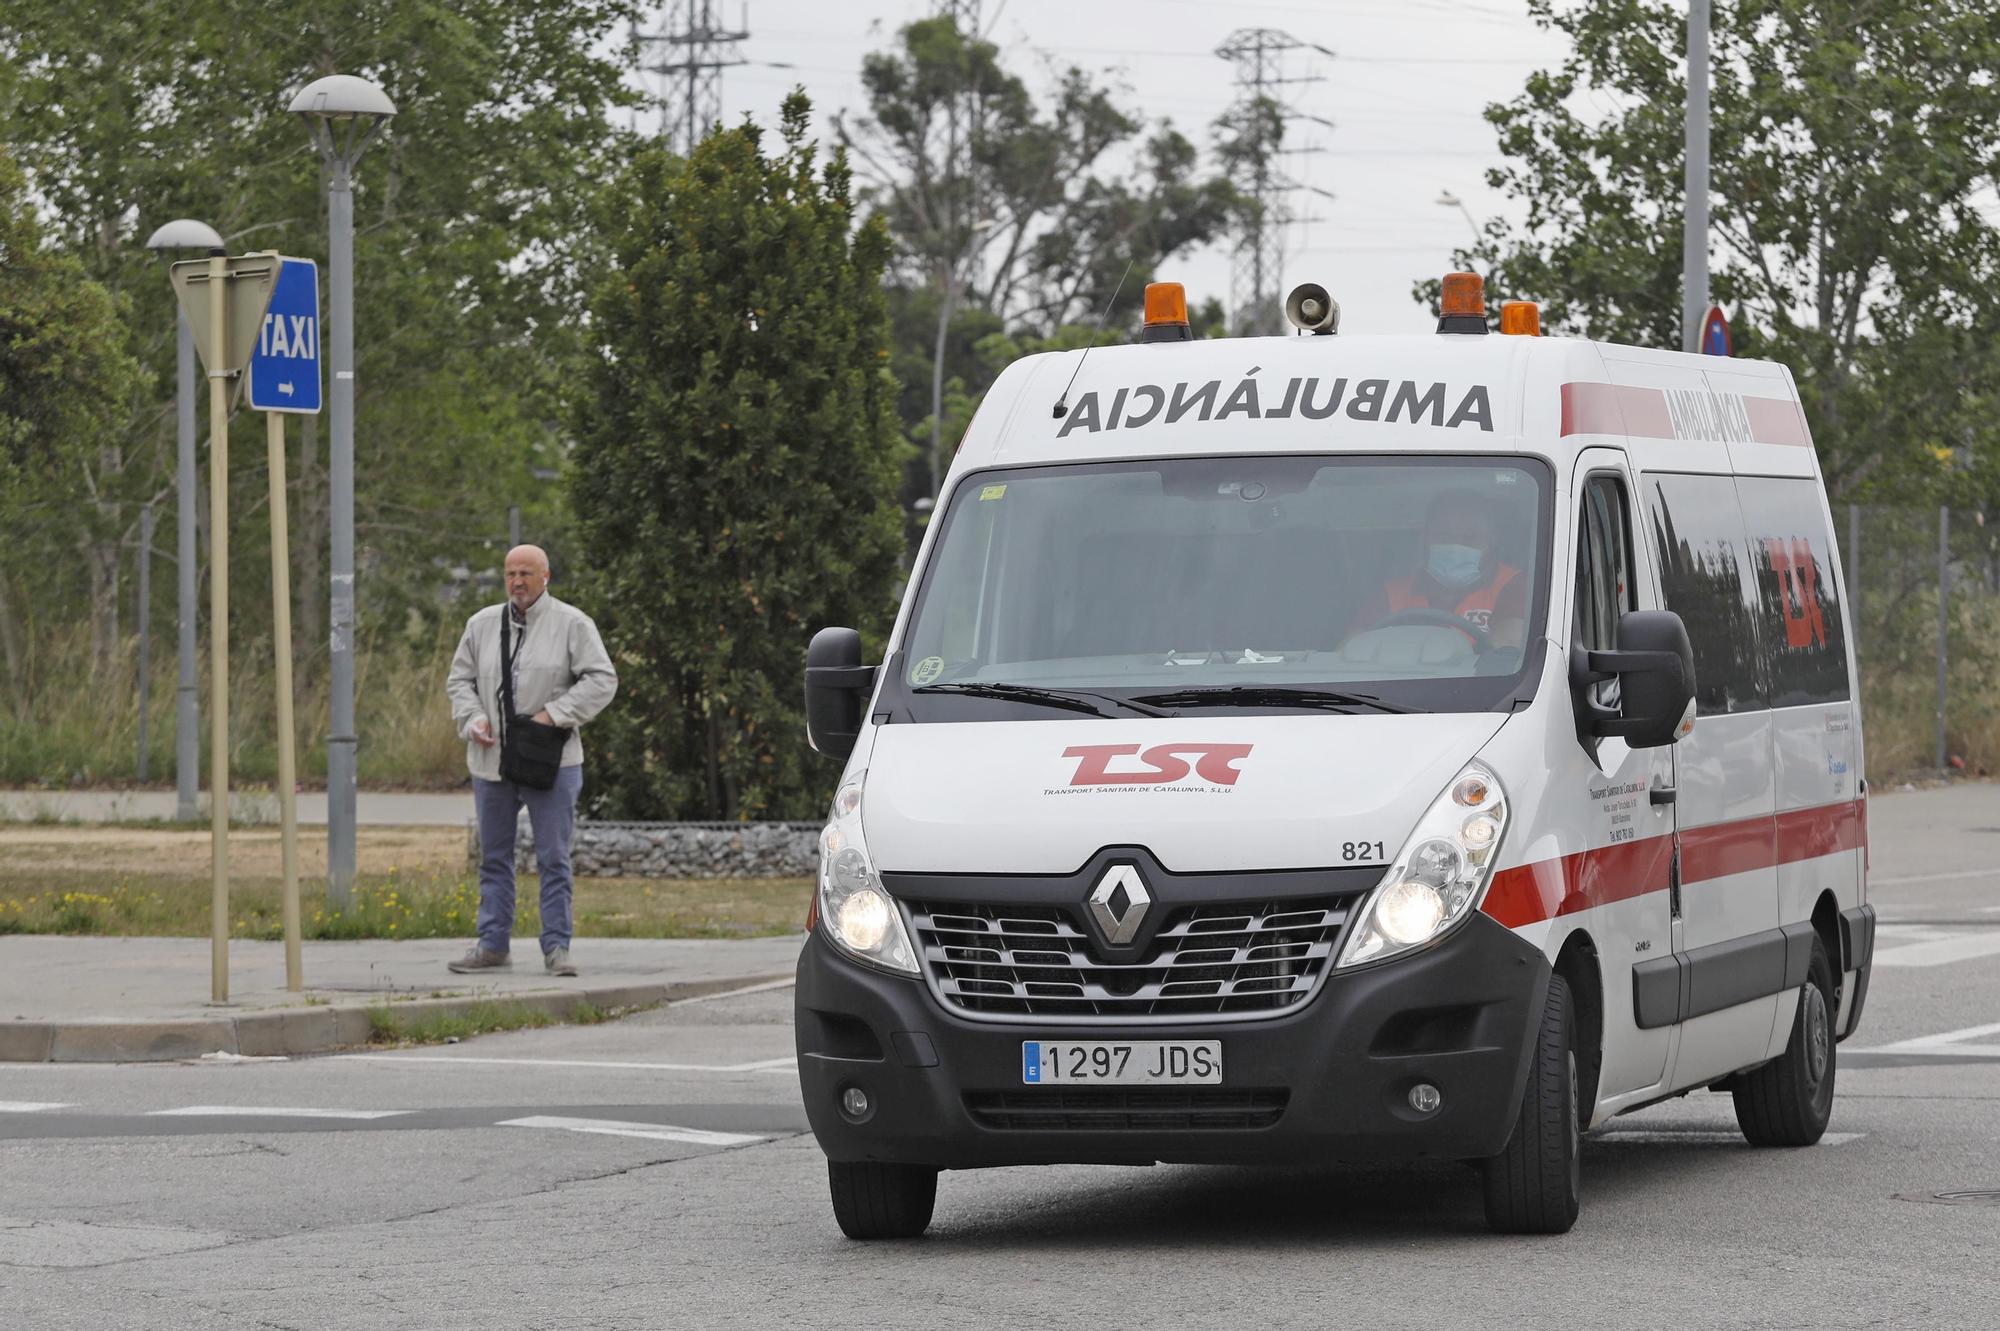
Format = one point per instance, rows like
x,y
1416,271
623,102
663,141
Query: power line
x,y
1254,129
697,48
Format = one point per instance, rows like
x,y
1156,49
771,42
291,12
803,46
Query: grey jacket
x,y
559,665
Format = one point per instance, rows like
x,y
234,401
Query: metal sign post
x,y
284,377
224,299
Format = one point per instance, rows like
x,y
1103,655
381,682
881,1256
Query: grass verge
x,y
391,905
390,1025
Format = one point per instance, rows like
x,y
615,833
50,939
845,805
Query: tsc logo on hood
x,y
1160,765
1311,398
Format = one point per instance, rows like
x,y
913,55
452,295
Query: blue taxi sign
x,y
284,370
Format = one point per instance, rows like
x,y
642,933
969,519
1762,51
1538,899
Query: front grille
x,y
1125,1109
1221,959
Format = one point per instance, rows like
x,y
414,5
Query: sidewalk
x,y
380,808
94,1000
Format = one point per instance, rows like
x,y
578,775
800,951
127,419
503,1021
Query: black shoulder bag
x,y
530,750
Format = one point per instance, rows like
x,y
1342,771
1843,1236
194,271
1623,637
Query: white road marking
x,y
1949,1044
271,1111
1934,877
1700,1137
763,988
779,1065
662,1132
1932,946
28,1106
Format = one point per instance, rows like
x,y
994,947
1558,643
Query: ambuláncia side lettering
x,y
1161,764
1312,399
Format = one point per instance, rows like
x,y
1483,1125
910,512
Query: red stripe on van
x,y
1641,413
1806,834
1530,893
1589,408
1544,890
1721,849
1777,420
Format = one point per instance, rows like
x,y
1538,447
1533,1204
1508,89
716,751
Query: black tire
x,y
1532,1186
1789,1100
877,1201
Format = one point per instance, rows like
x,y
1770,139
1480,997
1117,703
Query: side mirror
x,y
837,688
1654,666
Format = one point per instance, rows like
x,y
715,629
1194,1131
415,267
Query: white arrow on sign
x,y
285,388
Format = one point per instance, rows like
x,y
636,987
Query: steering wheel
x,y
1440,619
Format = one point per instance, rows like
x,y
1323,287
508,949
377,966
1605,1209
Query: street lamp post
x,y
186,234
1694,232
344,114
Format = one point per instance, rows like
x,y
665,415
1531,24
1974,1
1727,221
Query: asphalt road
x,y
655,1172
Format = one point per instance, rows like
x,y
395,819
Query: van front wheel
x,y
878,1201
1789,1100
1532,1186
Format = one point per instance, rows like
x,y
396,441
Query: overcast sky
x,y
1404,88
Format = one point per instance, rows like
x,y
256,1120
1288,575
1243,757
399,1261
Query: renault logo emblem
x,y
1118,904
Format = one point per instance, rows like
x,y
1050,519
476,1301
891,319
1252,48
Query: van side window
x,y
1604,589
1805,640
1706,577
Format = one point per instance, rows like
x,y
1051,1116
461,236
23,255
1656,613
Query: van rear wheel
x,y
1789,1100
878,1201
1532,1187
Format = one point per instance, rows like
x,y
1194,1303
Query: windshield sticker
x,y
1311,398
992,492
1161,768
927,670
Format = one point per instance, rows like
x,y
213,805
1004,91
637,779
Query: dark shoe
x,y
478,958
557,961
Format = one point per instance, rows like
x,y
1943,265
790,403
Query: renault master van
x,y
1333,748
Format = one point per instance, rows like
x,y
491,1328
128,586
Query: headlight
x,y
1439,875
858,915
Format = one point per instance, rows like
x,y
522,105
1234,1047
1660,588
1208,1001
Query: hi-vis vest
x,y
1476,607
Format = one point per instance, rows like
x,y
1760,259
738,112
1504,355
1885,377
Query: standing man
x,y
548,659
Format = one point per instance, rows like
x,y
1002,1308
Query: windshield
x,y
1268,583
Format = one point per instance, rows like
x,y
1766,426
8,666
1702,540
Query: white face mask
x,y
1455,565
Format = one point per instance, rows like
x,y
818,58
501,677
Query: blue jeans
x,y
552,815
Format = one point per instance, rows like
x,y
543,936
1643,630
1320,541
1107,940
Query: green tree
x,y
734,466
1007,214
469,242
65,377
1853,143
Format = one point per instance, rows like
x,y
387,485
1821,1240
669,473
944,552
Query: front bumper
x,y
1460,1015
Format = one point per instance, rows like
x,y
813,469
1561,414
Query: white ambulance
x,y
1334,748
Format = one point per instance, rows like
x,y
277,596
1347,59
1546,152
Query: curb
x,y
283,1032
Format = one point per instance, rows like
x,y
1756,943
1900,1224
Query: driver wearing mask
x,y
1460,574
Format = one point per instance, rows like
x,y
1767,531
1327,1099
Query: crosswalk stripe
x,y
1699,1137
762,1065
28,1106
652,1131
1934,946
271,1111
1961,1043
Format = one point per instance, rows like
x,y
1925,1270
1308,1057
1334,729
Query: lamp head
x,y
184,233
342,97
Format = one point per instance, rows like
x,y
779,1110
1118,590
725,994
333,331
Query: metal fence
x,y
1924,584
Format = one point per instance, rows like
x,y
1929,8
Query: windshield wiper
x,y
1075,700
1271,695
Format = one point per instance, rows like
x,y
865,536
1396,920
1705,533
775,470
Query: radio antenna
x,y
1062,403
